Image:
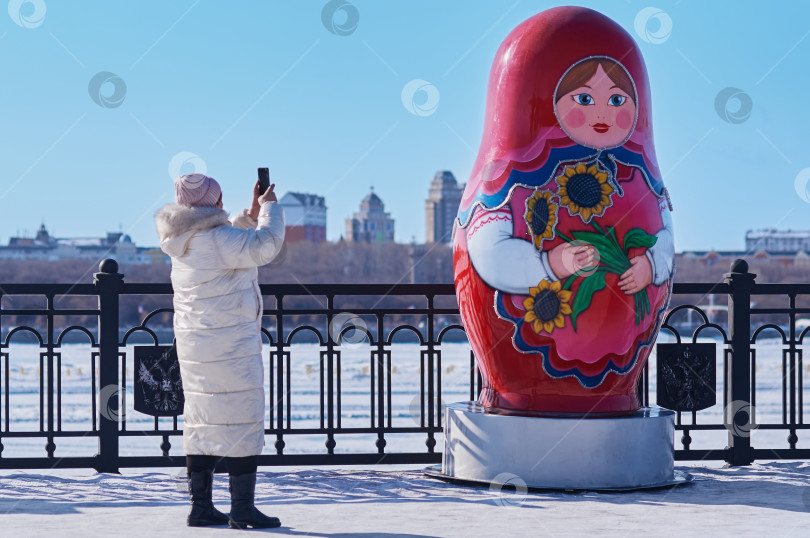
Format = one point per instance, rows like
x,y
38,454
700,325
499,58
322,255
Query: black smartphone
x,y
264,180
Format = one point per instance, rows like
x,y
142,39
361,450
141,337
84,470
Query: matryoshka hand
x,y
566,259
638,277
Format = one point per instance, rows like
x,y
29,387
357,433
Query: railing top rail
x,y
165,288
703,288
48,289
146,288
313,289
781,289
721,288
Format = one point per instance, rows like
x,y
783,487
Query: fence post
x,y
738,411
108,282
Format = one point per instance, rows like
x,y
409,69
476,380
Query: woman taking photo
x,y
217,321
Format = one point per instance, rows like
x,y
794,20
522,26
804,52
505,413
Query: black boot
x,y
243,513
203,513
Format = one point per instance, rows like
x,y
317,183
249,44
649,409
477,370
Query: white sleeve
x,y
662,253
504,262
242,248
244,221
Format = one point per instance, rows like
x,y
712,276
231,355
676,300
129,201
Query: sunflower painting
x,y
541,216
584,190
547,306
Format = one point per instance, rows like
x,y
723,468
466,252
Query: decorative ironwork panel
x,y
686,376
158,387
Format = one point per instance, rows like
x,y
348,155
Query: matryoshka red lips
x,y
601,128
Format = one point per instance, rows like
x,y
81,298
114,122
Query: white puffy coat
x,y
217,318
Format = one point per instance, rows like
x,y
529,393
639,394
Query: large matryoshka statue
x,y
563,249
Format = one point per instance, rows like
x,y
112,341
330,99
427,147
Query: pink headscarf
x,y
520,125
197,190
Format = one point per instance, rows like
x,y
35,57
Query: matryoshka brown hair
x,y
582,72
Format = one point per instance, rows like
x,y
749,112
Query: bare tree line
x,y
299,263
335,263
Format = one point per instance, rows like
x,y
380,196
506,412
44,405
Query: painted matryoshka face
x,y
597,114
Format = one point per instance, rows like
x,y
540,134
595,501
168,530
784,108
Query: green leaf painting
x,y
612,258
582,299
638,238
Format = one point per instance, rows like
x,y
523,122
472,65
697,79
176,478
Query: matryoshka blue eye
x,y
583,99
617,100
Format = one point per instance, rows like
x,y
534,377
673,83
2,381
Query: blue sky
x,y
248,84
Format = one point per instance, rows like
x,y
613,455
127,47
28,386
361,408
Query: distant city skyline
x,y
772,240
105,103
47,246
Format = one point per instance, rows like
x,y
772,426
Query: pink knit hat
x,y
196,190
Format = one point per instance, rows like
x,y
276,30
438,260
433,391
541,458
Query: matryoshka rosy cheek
x,y
625,117
575,118
623,120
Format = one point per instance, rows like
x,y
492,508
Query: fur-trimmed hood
x,y
176,224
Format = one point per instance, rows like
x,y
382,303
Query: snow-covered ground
x,y
770,499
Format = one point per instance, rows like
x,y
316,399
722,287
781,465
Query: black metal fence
x,y
782,306
332,316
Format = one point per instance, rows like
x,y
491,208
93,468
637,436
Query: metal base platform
x,y
559,453
680,478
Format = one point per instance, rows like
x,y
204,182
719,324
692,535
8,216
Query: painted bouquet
x,y
612,258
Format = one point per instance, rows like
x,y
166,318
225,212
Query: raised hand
x,y
259,199
269,195
256,205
